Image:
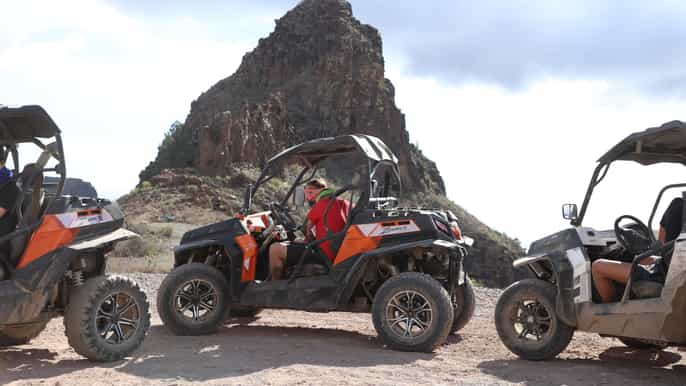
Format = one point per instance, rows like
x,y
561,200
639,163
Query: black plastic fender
x,y
353,275
183,252
563,275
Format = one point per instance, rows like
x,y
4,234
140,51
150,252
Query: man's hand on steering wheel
x,y
282,216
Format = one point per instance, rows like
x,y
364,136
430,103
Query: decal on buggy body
x,y
249,247
388,228
84,218
581,268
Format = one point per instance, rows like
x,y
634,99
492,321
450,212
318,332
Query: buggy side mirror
x,y
569,211
299,197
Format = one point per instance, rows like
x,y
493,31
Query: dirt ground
x,y
288,347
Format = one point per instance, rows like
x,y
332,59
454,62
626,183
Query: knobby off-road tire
x,y
639,344
18,335
193,300
526,321
412,312
107,318
465,303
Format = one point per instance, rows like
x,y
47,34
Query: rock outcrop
x,y
319,73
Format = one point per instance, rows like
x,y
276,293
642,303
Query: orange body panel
x,y
249,247
50,235
355,242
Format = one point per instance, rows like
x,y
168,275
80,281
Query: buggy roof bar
x,y
666,143
25,124
375,151
316,150
663,144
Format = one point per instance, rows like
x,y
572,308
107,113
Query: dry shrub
x,y
166,232
136,247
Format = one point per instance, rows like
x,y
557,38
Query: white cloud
x,y
111,82
114,82
512,158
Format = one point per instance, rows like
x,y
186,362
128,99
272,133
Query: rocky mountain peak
x,y
319,73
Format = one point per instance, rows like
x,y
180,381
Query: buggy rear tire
x,y
193,300
18,335
107,318
412,312
463,307
639,344
530,303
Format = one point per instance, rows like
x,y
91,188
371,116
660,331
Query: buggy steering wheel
x,y
282,216
636,238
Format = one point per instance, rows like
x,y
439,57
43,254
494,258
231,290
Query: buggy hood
x,y
666,143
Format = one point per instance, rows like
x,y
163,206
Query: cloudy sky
x,y
514,100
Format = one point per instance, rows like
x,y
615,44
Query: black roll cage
x,y
26,124
312,153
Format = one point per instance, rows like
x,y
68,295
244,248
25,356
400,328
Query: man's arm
x,y
308,231
662,234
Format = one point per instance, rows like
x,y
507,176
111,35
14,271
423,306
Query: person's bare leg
x,y
605,273
277,258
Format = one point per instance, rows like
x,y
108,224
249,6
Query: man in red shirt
x,y
287,253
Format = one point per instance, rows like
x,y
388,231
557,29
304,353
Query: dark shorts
x,y
295,250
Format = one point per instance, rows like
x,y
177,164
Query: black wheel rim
x,y
532,321
409,314
118,318
195,300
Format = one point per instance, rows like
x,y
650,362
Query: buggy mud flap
x,y
19,306
23,297
118,235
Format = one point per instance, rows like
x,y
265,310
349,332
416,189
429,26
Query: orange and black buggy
x,y
54,261
403,265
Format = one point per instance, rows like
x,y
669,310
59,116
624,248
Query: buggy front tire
x,y
193,300
107,318
18,335
412,312
526,321
463,305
